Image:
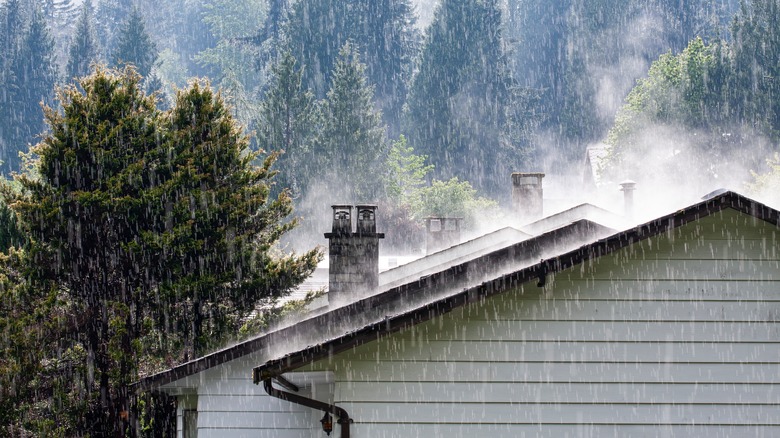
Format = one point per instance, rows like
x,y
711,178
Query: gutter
x,y
343,417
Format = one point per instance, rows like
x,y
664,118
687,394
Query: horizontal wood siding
x,y
233,407
677,335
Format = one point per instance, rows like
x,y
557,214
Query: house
x,y
668,328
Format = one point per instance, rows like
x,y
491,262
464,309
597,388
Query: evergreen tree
x,y
32,79
134,45
352,138
287,117
463,95
382,31
113,17
83,48
11,34
754,89
148,221
271,36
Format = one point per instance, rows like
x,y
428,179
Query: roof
x,y
509,281
427,297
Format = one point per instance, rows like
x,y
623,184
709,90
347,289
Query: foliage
x,y
352,139
463,94
287,117
29,81
767,184
754,91
711,98
227,60
454,198
583,56
147,223
84,47
406,173
410,199
382,31
134,45
679,90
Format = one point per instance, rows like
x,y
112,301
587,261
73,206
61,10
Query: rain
x,y
386,218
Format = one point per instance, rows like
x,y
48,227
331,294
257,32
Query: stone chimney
x,y
441,233
527,195
354,255
628,187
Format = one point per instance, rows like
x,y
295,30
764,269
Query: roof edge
x,y
502,284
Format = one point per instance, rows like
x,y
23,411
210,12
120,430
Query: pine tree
x,y
462,96
83,48
112,16
149,221
352,138
33,75
11,34
382,31
287,117
134,46
754,89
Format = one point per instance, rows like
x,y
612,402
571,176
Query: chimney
x,y
628,187
441,233
354,255
527,195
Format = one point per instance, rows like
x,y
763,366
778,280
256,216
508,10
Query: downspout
x,y
342,415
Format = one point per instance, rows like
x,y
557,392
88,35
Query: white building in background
x,y
565,327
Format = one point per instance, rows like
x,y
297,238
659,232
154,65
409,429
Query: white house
x,y
669,328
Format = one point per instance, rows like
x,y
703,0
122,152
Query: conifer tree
x,y
134,46
11,33
287,117
112,16
84,47
754,89
148,221
32,79
382,31
352,138
463,95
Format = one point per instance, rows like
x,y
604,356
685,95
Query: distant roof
x,y
365,320
582,211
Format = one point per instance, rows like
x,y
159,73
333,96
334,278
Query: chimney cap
x,y
627,185
517,177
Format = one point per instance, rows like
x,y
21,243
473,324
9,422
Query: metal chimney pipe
x,y
628,187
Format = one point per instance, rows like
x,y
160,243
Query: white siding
x,y
677,335
229,405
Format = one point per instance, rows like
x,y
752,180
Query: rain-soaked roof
x,y
424,298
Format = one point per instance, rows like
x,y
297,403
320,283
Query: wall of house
x,y
229,405
677,335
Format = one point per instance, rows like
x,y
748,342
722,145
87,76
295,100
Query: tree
x,y
134,45
352,138
11,33
31,82
382,31
112,16
463,94
83,48
287,117
148,221
754,89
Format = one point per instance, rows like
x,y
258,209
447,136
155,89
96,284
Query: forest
x,y
158,157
